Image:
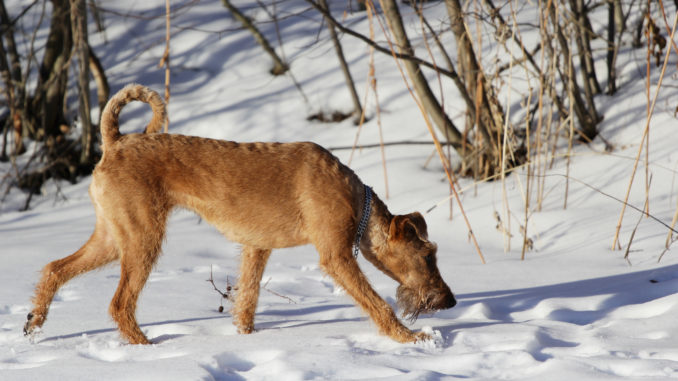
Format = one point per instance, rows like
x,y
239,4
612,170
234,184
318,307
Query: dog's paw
x,y
421,337
245,329
31,328
28,327
429,337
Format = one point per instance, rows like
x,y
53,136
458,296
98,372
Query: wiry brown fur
x,y
262,195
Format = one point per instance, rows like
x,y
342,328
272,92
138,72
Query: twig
x,y
633,233
624,202
277,294
5,28
666,249
670,228
666,24
186,7
380,48
348,77
279,66
669,237
228,295
645,132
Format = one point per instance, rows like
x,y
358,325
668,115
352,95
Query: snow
x,y
573,309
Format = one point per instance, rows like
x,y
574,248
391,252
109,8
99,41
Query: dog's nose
x,y
450,301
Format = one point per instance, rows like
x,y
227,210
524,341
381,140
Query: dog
x,y
261,195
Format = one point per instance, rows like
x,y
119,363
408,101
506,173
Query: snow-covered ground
x,y
573,309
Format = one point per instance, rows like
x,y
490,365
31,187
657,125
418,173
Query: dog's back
x,y
267,185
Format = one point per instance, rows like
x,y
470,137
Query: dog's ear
x,y
408,227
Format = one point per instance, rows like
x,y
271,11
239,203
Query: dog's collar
x,y
362,225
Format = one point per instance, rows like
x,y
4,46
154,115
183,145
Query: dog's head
x,y
411,260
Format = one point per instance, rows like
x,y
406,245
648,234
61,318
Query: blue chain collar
x,y
362,225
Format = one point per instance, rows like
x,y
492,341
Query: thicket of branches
x,y
36,81
35,105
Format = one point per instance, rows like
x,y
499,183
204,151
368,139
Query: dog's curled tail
x,y
110,129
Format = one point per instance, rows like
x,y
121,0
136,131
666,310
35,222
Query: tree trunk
x,y
638,32
279,67
42,116
450,66
48,101
357,107
615,31
11,73
97,70
79,26
494,11
490,117
584,109
421,87
583,31
611,49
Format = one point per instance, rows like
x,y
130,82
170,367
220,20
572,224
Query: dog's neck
x,y
364,219
374,244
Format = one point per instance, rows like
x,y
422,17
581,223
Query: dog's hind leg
x,y
139,227
99,250
252,265
139,250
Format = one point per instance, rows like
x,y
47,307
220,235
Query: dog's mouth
x,y
415,301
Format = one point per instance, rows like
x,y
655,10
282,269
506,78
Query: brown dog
x,y
262,195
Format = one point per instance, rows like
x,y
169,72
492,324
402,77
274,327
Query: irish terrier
x,y
262,195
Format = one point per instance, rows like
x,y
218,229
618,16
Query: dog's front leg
x,y
252,265
346,272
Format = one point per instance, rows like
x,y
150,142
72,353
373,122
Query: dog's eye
x,y
429,259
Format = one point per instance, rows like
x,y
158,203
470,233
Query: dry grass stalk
x,y
369,9
669,237
381,135
570,89
615,241
633,233
542,144
569,149
437,143
504,144
371,83
165,60
648,77
527,243
545,149
362,117
424,26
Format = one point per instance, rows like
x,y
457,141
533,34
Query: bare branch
x,y
229,294
376,46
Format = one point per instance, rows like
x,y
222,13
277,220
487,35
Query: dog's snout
x,y
450,301
444,300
